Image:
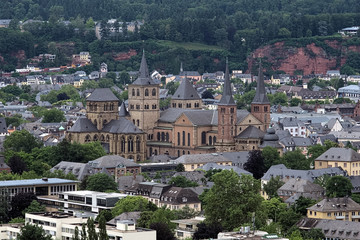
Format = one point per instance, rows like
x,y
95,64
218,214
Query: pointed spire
x,y
186,91
260,96
144,77
227,98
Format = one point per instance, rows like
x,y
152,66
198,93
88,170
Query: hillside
x,y
307,55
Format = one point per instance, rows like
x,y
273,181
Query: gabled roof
x,y
121,126
112,161
123,112
144,78
83,125
260,96
251,132
336,205
300,186
227,98
102,95
185,91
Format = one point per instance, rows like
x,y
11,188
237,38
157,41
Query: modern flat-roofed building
x,y
89,201
44,186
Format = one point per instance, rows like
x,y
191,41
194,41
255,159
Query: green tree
x,y
76,234
102,228
101,182
274,208
301,205
207,231
181,181
338,186
106,214
223,208
180,168
295,102
17,165
21,141
313,234
271,157
53,116
83,232
296,235
185,213
296,160
91,232
163,232
20,202
131,204
255,164
34,206
272,186
33,231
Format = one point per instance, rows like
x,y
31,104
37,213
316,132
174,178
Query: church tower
x,y
260,106
186,96
226,117
144,100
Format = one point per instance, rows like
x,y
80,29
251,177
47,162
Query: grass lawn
x,y
189,45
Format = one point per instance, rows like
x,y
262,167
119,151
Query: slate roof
x,y
121,125
131,216
201,158
80,170
291,122
102,95
251,132
260,96
112,161
339,154
335,205
302,142
3,127
300,186
284,173
210,166
83,125
126,182
177,195
186,91
238,159
144,77
332,229
227,98
123,112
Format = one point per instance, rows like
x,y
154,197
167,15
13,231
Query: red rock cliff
x,y
310,59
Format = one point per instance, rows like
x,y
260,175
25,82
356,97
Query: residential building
x,y
346,158
352,92
332,229
194,161
44,186
82,201
185,228
335,209
353,78
300,187
4,23
294,126
348,31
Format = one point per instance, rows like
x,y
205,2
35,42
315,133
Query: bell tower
x,y
226,117
260,106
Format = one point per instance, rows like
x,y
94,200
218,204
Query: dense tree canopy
x,y
33,231
21,141
223,208
338,186
101,182
131,204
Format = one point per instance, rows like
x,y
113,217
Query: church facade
x,y
184,128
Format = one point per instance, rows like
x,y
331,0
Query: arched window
x,y
158,136
138,122
104,122
163,137
183,138
122,144
188,139
167,137
133,92
154,92
111,107
95,107
102,138
155,152
203,138
138,158
137,92
214,139
178,138
183,152
96,137
130,144
107,138
87,138
138,144
150,151
146,92
178,153
95,123
210,140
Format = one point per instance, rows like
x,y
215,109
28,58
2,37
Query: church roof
x,y
83,125
186,91
102,95
227,98
123,112
251,132
121,126
144,77
260,96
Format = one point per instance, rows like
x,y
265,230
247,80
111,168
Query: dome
x,y
270,135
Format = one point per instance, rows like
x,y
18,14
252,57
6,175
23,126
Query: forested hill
x,y
237,26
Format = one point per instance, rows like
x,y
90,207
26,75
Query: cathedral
x,y
184,128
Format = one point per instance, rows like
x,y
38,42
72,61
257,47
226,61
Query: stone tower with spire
x,y
226,118
186,96
260,106
144,99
